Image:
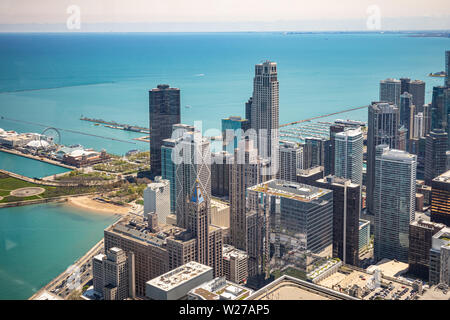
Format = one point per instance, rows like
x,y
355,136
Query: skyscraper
x,y
447,68
346,212
157,199
265,109
291,160
435,154
390,91
404,85
421,233
440,199
301,217
246,171
330,149
164,112
394,202
248,111
417,89
383,125
220,173
314,152
407,113
233,129
349,155
419,126
194,157
439,108
168,169
113,274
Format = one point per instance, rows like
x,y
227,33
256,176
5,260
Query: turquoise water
x,y
108,76
28,167
39,242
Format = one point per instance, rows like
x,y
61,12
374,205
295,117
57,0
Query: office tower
x,y
157,199
440,258
314,152
164,112
291,160
168,169
419,126
349,155
113,274
394,202
233,129
404,85
235,264
309,176
220,173
176,284
438,108
440,199
435,154
383,125
447,68
330,149
246,171
364,235
417,89
194,165
421,233
248,111
390,91
403,141
427,118
198,216
265,109
448,159
407,113
346,211
301,217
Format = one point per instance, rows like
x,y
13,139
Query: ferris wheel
x,y
51,136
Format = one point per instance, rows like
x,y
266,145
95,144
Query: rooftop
x,y
178,276
445,177
291,190
220,289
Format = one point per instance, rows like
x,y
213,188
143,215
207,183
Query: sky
x,y
222,15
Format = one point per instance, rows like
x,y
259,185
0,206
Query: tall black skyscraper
x,y
164,112
435,154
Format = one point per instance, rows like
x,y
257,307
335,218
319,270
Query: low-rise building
x,y
440,258
235,264
176,284
219,289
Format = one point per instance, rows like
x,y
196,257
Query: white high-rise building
x,y
192,155
265,109
419,128
390,90
394,202
157,199
348,158
291,160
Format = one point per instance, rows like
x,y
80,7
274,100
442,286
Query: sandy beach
x,y
86,202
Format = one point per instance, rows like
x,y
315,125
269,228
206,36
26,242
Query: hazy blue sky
x,y
153,15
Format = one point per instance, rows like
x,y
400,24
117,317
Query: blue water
x,y
39,242
108,76
28,167
53,79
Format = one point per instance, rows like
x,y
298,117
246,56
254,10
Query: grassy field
x,y
8,184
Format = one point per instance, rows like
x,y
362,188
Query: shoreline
x,y
89,204
42,159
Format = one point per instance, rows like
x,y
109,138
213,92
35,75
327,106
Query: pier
x,y
323,116
67,130
115,125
